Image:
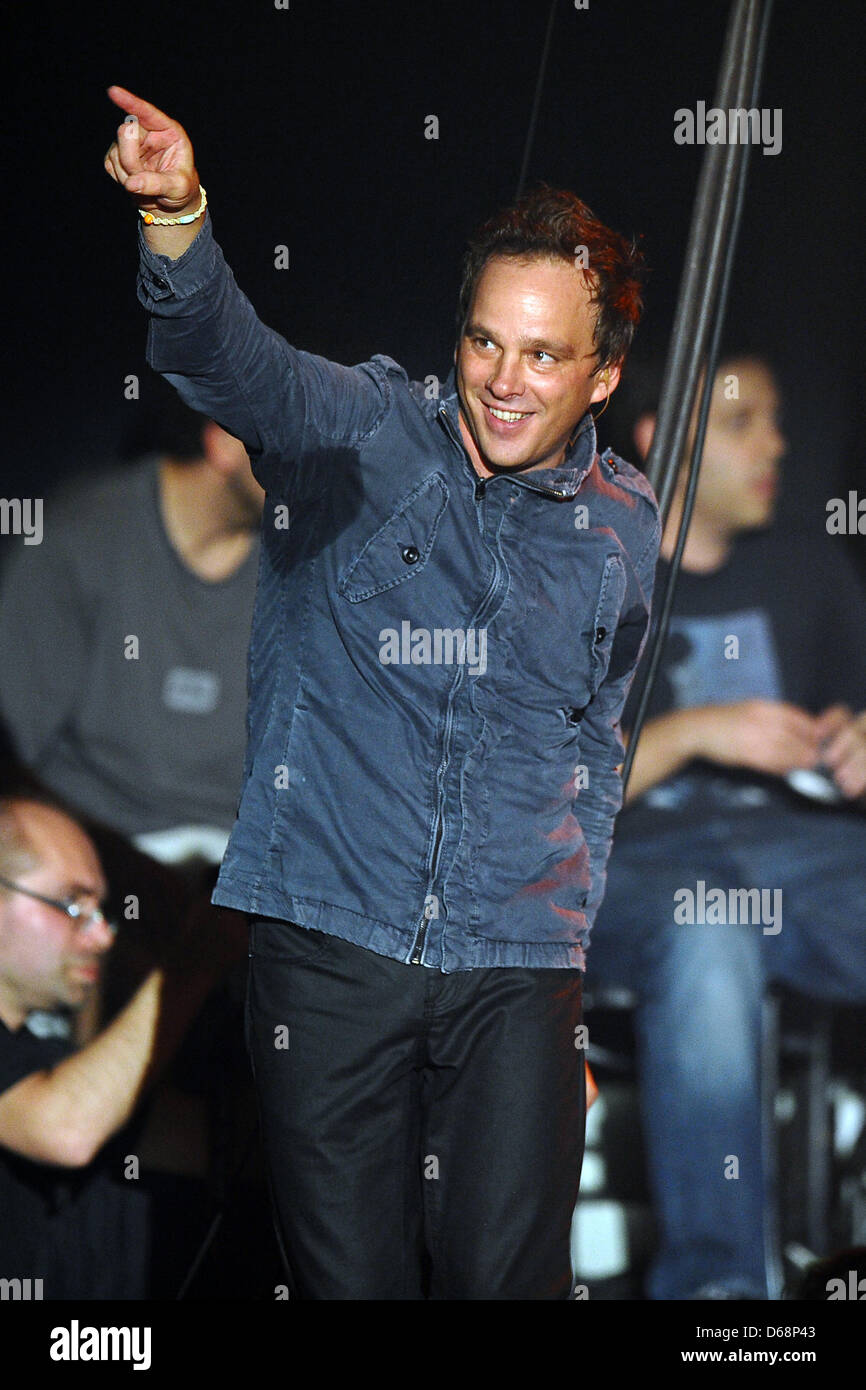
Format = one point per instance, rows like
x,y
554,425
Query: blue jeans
x,y
698,1021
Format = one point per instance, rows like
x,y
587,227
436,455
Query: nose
x,y
97,936
505,378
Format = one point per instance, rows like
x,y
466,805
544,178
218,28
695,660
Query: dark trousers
x,y
424,1132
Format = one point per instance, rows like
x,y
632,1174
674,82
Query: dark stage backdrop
x,y
309,127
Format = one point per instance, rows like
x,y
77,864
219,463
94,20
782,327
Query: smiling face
x,y
525,364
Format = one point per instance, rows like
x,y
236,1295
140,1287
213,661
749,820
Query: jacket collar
x,y
562,482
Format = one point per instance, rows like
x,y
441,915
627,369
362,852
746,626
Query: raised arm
x,y
289,408
152,159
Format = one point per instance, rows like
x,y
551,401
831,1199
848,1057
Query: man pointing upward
x,y
421,846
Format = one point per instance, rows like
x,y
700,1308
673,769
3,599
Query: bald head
x,y
17,855
33,833
45,961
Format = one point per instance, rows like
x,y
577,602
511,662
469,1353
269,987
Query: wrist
x,y
154,214
172,241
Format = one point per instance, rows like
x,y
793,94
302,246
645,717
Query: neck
x,y
204,520
708,544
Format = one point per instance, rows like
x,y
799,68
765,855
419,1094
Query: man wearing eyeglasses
x,y
69,1212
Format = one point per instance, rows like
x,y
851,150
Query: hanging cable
x,y
536,103
708,239
700,313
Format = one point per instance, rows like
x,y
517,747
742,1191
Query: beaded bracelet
x,y
152,221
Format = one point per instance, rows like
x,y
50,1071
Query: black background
x,y
308,127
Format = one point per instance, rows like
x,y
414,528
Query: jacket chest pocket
x,y
611,597
399,550
552,645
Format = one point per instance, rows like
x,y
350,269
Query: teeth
x,y
508,414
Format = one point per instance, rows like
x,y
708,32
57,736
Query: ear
x,y
608,381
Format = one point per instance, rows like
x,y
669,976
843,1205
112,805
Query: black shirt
x,y
82,1231
783,618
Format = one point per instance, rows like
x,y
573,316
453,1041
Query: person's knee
x,y
707,962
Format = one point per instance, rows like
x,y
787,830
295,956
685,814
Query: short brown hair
x,y
555,223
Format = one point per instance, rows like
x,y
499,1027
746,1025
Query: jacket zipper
x,y
481,483
420,936
418,944
480,488
548,491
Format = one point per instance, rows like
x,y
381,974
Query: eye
x,y
482,342
540,352
79,904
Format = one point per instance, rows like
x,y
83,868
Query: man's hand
x,y
152,160
768,735
843,750
152,157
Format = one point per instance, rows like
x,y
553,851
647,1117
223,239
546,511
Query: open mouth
x,y
505,420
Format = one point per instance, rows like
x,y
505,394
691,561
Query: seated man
x,y
124,637
71,1215
123,684
763,665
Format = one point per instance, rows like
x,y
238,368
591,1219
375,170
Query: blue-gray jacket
x,y
438,663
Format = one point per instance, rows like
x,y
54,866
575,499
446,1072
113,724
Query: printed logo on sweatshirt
x,y
191,692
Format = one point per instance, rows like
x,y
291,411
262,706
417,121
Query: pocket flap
x,y
400,549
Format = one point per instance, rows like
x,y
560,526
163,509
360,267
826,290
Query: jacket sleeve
x,y
284,405
602,747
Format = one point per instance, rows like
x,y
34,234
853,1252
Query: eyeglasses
x,y
85,918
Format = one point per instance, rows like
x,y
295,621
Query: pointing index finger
x,y
150,116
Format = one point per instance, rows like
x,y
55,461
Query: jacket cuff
x,y
159,277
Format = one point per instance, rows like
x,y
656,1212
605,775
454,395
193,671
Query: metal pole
x,y
700,309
